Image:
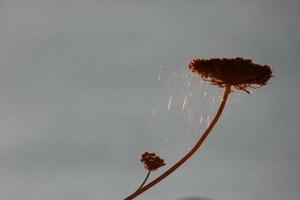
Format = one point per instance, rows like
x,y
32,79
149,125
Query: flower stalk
x,y
191,152
145,180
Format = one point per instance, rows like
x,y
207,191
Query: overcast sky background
x,y
78,86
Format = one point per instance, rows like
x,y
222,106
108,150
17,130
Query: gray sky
x,y
78,86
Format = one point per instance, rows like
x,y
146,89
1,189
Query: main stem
x,y
191,152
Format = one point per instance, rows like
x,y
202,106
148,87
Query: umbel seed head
x,y
238,72
152,161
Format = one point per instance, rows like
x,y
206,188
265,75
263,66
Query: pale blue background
x,y
77,80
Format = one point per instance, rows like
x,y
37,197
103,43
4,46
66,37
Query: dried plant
x,y
237,72
226,73
151,163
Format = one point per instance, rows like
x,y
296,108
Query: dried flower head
x,y
238,72
152,161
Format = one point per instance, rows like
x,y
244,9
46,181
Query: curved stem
x,y
146,178
190,153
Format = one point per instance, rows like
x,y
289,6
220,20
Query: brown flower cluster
x,y
238,72
152,161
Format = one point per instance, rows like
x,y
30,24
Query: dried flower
x,y
225,72
238,72
152,161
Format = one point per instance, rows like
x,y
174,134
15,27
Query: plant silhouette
x,y
239,73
